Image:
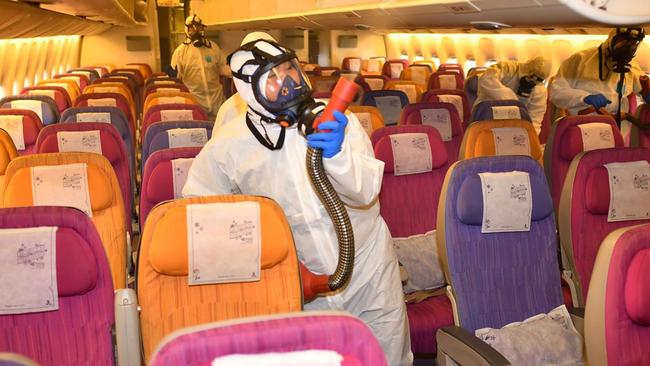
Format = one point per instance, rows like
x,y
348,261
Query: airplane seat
x,y
392,69
570,136
412,90
638,137
476,71
8,152
167,98
107,100
408,213
137,74
352,64
327,71
174,88
81,80
617,312
389,102
430,64
145,69
371,82
453,96
591,206
90,73
114,88
500,109
172,112
59,94
445,80
499,255
371,67
335,335
23,126
322,86
369,117
500,137
125,80
79,331
15,359
162,80
420,74
170,134
91,186
453,68
471,88
163,265
44,106
164,175
443,117
93,137
100,69
70,86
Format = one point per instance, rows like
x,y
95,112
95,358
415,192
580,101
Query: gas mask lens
x,y
283,85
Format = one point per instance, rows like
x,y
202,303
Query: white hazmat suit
x,y
578,77
200,69
235,162
501,82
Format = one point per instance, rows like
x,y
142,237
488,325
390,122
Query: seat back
x,y
100,69
616,316
369,117
322,86
639,137
23,126
327,71
499,109
81,80
430,64
452,68
471,88
389,102
351,64
160,182
162,80
152,88
162,135
8,150
443,117
89,72
409,202
372,66
54,139
567,139
500,277
69,85
78,333
135,71
110,86
123,79
392,69
445,80
455,97
584,209
105,199
44,107
145,69
419,74
114,100
339,332
172,112
500,137
163,269
370,82
412,90
167,98
59,94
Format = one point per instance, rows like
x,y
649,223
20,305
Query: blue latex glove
x,y
646,98
597,100
330,142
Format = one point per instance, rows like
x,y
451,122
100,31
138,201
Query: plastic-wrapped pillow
x,y
419,255
542,340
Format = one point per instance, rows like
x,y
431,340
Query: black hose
x,y
339,216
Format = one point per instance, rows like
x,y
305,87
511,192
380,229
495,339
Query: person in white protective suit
x,y
523,81
199,63
262,153
591,76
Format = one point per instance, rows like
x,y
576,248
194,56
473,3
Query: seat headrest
x,y
160,182
384,150
469,204
76,265
597,192
572,144
110,147
168,250
485,145
18,191
637,288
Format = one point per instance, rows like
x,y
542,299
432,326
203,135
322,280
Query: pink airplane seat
x,y
58,93
31,127
453,96
446,80
392,69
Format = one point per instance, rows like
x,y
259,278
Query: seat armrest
x,y
127,327
458,346
578,319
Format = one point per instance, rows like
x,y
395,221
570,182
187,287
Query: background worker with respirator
x,y
264,152
523,81
199,63
601,77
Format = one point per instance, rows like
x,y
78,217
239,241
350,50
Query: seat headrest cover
x,y
572,144
637,288
168,250
384,150
18,191
469,205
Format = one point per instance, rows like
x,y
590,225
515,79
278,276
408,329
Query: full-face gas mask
x,y
279,87
195,32
532,73
623,46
